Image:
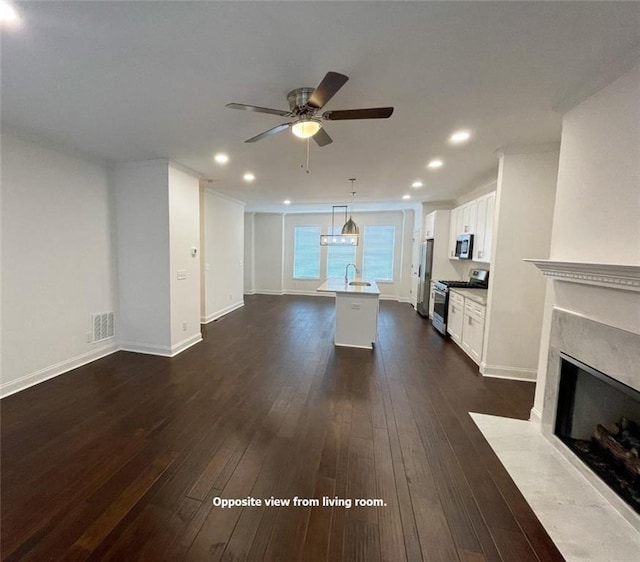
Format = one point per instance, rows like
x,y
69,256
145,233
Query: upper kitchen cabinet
x,y
474,217
484,229
430,226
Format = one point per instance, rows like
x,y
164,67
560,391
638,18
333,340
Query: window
x,y
377,254
306,252
339,256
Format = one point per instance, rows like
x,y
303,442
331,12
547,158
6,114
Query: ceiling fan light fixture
x,y
305,128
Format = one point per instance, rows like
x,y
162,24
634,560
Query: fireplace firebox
x,y
598,418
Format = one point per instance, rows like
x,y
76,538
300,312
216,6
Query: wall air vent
x,y
103,326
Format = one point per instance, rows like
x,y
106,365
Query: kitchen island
x,y
356,311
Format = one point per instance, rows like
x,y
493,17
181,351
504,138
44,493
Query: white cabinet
x,y
453,233
429,225
455,318
473,330
469,218
484,229
432,298
474,217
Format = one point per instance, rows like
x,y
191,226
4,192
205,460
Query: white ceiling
x,y
128,81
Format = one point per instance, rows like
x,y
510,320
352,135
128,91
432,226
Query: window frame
x,y
393,253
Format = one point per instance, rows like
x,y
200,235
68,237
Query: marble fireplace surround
x,y
611,350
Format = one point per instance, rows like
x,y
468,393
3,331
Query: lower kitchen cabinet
x,y
455,317
473,330
465,324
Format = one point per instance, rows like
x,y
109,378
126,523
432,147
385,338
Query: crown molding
x,y
613,276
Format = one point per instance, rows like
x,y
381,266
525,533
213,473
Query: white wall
x,y
597,207
249,285
142,219
184,227
522,229
223,254
598,200
268,253
58,262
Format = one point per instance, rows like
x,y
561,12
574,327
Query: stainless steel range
x,y
479,279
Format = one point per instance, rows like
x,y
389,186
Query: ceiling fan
x,y
305,103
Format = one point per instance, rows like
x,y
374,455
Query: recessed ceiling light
x,y
416,184
406,196
435,164
287,202
8,13
248,177
460,137
221,158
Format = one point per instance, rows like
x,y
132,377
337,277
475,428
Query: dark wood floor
x,y
120,459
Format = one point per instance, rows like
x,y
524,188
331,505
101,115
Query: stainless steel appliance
x,y
464,246
424,277
478,279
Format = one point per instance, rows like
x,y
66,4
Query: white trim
x,y
511,373
535,416
212,191
615,276
222,312
390,297
354,346
56,369
185,344
268,292
249,293
161,350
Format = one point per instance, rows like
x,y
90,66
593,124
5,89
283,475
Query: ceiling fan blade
x,y
370,113
322,138
270,132
330,84
258,109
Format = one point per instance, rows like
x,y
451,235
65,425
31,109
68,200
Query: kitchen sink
x,y
360,283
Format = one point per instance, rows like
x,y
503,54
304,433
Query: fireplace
x,y
598,419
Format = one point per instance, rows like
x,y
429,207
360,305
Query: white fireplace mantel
x,y
614,276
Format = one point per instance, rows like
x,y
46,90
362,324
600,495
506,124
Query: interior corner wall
x,y
268,253
143,237
597,206
184,272
224,258
524,213
249,285
58,261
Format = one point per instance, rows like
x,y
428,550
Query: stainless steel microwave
x,y
464,246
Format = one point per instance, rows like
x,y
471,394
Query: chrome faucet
x,y
346,272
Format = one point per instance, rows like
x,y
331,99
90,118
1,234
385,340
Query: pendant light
x,y
350,230
350,227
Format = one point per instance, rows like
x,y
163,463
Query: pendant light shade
x,y
350,227
305,128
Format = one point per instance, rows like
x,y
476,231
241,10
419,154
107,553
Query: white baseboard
x,y
536,416
220,313
185,344
41,375
268,292
249,292
161,350
511,373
